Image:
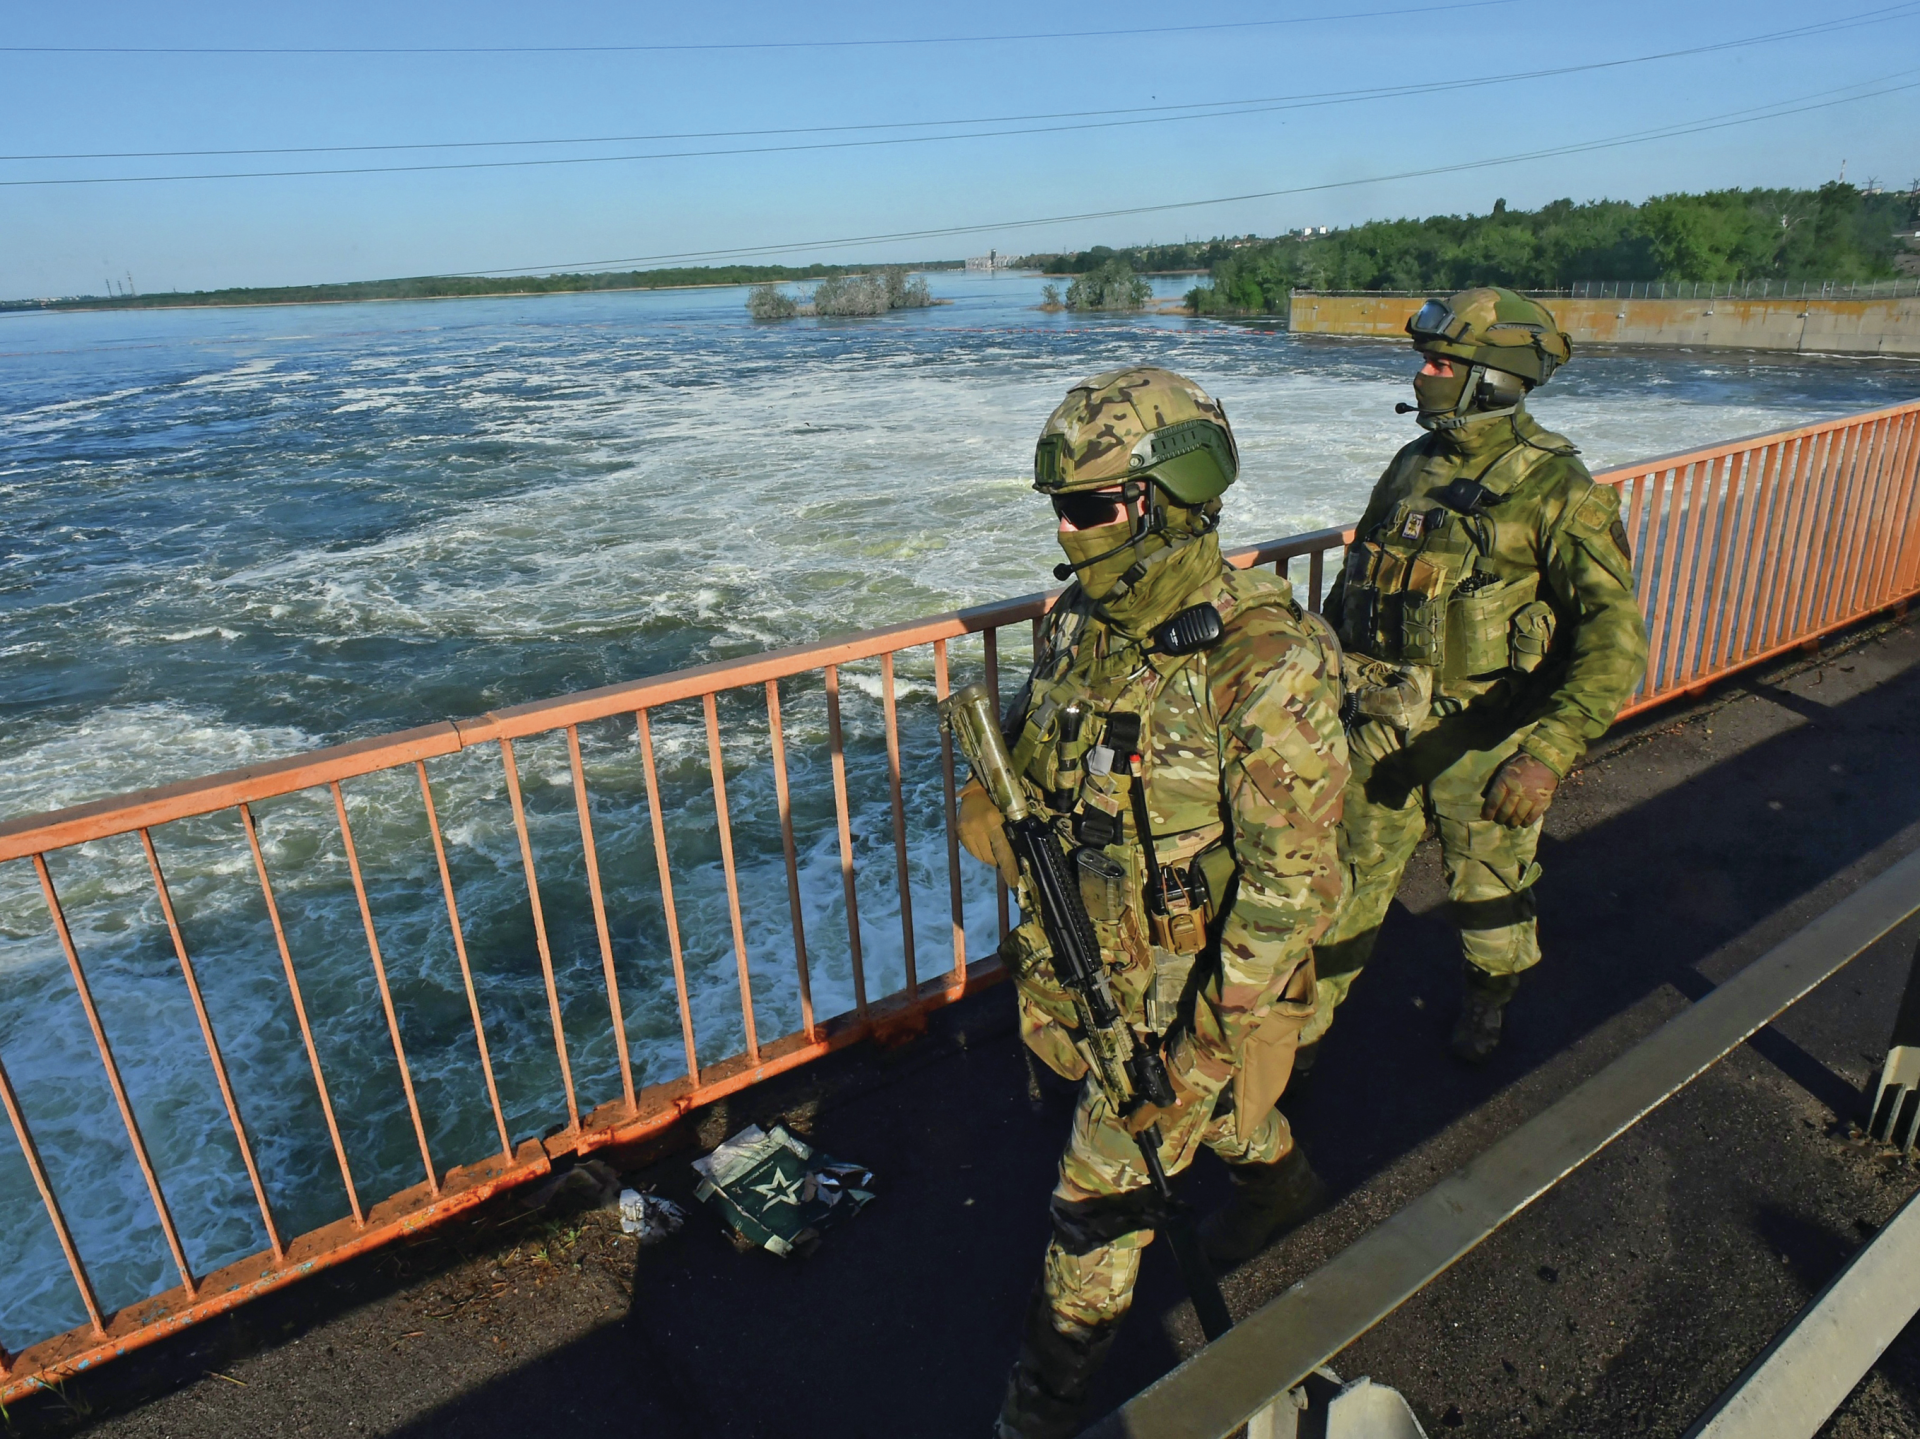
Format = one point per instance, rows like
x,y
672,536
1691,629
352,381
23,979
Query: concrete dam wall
x,y
1885,326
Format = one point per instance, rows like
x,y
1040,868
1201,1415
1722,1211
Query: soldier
x,y
1488,598
1242,764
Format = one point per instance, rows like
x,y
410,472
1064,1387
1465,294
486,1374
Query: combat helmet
x,y
1508,343
1134,425
1154,435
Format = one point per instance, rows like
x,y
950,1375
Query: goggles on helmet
x,y
1089,509
1435,321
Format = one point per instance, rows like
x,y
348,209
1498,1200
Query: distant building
x,y
992,260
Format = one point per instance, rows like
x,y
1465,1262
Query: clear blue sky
x,y
205,233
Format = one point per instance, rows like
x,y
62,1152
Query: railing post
x,y
512,770
848,886
890,712
615,1013
300,1013
716,767
213,1049
112,1067
31,1153
460,952
992,638
668,911
386,994
777,734
941,687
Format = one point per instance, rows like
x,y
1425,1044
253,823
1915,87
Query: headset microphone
x,y
1405,409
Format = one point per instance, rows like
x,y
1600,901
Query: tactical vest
x,y
1094,702
1420,589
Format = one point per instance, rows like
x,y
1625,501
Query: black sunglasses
x,y
1089,509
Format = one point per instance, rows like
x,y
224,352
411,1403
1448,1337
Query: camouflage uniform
x,y
1244,763
1525,617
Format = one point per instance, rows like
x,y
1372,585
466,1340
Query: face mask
x,y
1087,552
1439,394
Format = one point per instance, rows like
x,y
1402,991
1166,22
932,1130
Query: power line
x,y
1902,10
1083,35
1217,110
1727,119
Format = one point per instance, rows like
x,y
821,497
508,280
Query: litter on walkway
x,y
778,1193
649,1217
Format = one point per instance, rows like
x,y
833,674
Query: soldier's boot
x,y
1483,1009
1051,1380
1268,1200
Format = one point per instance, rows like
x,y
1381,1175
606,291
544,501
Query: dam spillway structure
x,y
1745,551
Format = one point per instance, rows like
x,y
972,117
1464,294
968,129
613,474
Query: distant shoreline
x,y
207,300
106,305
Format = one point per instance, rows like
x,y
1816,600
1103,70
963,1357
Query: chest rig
x,y
1118,742
1422,586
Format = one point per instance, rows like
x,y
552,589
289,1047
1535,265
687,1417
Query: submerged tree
x,y
770,302
1113,286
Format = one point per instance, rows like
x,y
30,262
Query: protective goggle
x,y
1435,321
1090,509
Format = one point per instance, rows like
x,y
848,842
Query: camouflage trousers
x,y
1100,1169
1442,773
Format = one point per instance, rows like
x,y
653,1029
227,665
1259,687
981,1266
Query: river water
x,y
237,534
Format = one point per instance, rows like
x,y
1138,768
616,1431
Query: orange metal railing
x,y
1745,550
1757,546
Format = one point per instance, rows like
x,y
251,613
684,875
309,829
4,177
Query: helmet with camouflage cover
x,y
1138,424
1494,327
1504,344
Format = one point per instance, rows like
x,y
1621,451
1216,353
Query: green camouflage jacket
x,y
1518,595
1244,760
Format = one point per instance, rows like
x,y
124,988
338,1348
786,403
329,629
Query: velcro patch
x,y
1596,512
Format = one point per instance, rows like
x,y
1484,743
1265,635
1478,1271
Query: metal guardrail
x,y
1258,1361
1687,290
1795,1384
1747,549
1740,290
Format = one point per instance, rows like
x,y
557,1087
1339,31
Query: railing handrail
x,y
270,779
1887,288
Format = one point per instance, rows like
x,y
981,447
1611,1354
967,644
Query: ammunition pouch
x,y
1425,607
1480,626
1530,636
1103,886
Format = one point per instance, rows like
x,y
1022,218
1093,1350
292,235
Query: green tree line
x,y
1140,259
1837,232
433,287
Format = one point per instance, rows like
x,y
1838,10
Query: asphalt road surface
x,y
1622,1303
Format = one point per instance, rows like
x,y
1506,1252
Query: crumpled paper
x,y
649,1217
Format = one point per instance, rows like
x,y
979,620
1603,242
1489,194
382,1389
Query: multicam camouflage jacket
x,y
1243,760
1489,555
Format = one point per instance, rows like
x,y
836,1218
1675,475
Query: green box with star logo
x,y
777,1192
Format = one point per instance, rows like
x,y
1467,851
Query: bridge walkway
x,y
1622,1303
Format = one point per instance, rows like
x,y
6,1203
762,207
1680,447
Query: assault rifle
x,y
1131,1073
